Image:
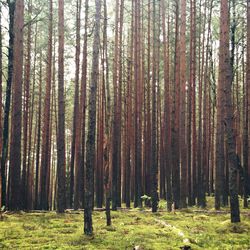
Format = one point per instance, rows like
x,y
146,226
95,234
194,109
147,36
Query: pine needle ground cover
x,y
130,229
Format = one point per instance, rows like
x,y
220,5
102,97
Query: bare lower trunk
x,y
90,146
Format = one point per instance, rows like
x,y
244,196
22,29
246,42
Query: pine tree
x,y
90,145
16,116
61,202
225,79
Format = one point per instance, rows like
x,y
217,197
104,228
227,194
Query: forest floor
x,y
139,229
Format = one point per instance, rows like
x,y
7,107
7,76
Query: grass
x,y
134,228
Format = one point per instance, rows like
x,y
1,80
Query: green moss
x,y
129,228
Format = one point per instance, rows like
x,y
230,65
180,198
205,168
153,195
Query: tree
x,y
1,87
201,162
128,120
76,135
16,117
106,98
225,81
80,155
193,95
45,163
90,145
154,166
36,205
26,115
183,149
61,202
115,136
5,143
176,114
219,140
138,103
167,109
207,167
247,115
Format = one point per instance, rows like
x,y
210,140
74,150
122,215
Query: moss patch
x,y
131,228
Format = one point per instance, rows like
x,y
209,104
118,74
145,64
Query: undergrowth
x,y
130,229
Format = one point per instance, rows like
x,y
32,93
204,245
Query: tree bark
x,y
26,114
115,134
247,121
176,115
16,118
61,202
154,166
225,79
5,144
183,148
46,118
90,145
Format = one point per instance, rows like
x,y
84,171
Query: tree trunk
x,y
80,156
1,83
38,136
46,118
106,97
75,144
26,113
154,166
90,146
183,148
5,144
247,114
16,118
115,135
138,108
61,203
225,79
220,161
193,97
176,115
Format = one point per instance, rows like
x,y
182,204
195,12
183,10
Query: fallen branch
x,y
175,230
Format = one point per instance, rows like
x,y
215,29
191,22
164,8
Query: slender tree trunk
x,y
26,113
207,164
80,157
90,146
5,145
106,97
193,97
115,134
38,136
148,136
176,115
225,79
119,102
16,118
167,110
154,166
247,121
75,144
100,143
200,154
138,108
220,151
46,118
61,202
183,148
1,83
30,158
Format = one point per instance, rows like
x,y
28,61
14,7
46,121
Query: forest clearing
x,y
139,104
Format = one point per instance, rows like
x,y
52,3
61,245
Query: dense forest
x,y
112,104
